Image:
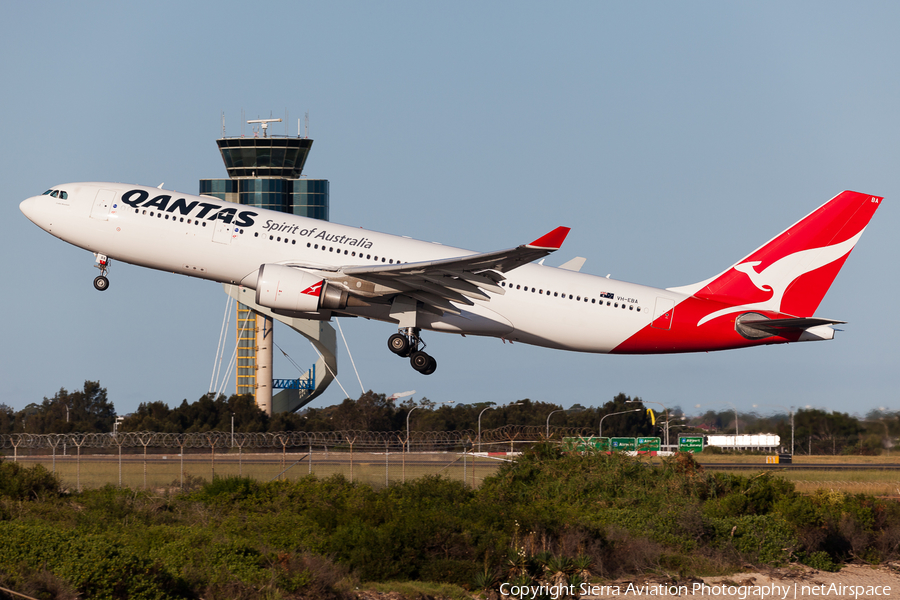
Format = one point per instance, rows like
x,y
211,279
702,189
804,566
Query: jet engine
x,y
283,288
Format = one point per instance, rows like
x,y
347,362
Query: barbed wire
x,y
357,439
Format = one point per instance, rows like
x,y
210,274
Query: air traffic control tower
x,y
266,171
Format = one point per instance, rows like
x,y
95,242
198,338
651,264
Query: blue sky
x,y
673,138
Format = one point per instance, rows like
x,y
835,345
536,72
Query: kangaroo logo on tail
x,y
791,273
778,277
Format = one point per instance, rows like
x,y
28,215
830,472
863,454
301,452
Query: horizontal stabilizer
x,y
754,326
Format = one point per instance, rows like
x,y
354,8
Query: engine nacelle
x,y
285,288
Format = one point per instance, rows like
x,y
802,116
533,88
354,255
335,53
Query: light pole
x,y
665,410
616,413
482,412
232,430
736,422
479,425
667,426
548,420
791,413
407,426
407,420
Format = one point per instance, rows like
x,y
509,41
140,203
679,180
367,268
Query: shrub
x,y
27,483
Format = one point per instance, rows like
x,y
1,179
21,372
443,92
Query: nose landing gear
x,y
407,343
101,282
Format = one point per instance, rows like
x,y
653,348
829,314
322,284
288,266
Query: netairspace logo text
x,y
739,592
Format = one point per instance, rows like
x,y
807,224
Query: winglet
x,y
552,240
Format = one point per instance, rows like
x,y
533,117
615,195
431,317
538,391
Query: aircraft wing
x,y
437,283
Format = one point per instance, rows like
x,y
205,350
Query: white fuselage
x,y
542,305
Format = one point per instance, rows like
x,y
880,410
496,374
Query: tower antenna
x,y
264,124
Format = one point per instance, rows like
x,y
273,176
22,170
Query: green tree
x,y
636,423
87,411
7,419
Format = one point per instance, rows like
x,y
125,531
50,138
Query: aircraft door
x,y
662,313
102,204
223,232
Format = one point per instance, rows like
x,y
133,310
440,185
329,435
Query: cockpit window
x,y
47,193
55,194
63,196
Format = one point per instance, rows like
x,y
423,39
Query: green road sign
x,y
621,444
690,443
648,444
585,444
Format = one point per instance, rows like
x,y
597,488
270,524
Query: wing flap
x,y
440,283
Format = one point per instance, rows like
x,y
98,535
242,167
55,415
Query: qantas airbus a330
x,y
313,269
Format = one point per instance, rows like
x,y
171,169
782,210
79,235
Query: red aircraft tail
x,y
791,273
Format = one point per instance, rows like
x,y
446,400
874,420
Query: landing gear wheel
x,y
399,344
101,283
432,366
421,361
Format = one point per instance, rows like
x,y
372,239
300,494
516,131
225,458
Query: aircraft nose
x,y
29,207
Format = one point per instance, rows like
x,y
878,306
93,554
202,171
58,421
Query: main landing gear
x,y
101,283
407,344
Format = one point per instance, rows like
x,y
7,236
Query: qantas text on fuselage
x,y
307,268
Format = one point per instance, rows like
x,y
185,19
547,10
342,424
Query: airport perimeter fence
x,y
177,460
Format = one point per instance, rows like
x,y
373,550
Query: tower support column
x,y
264,340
